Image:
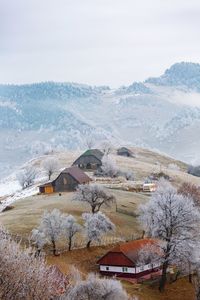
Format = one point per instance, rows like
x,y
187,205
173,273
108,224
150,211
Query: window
x,y
150,266
124,269
141,268
64,181
107,268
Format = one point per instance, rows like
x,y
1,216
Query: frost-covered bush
x,y
173,167
109,167
95,288
127,174
190,190
25,275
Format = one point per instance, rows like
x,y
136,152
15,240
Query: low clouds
x,y
110,42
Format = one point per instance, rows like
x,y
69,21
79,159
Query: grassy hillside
x,y
27,212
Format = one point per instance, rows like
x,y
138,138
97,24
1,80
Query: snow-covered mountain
x,y
161,113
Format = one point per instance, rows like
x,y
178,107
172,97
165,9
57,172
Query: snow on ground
x,y
9,186
11,191
33,190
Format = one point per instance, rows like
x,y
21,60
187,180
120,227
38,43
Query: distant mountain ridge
x,y
180,74
35,118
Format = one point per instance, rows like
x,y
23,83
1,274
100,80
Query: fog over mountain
x,y
161,113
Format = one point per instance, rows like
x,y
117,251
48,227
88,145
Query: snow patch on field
x,y
18,195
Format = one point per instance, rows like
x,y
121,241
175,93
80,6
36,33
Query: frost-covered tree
x,y
90,142
25,276
95,288
51,166
95,195
96,225
71,228
27,176
38,239
106,147
174,220
150,254
52,226
109,167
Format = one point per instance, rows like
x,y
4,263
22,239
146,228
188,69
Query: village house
x,y
67,180
122,261
90,159
123,151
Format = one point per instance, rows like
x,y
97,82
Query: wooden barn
x,y
90,159
123,151
122,260
67,180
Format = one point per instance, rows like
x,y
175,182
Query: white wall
x,y
130,270
116,269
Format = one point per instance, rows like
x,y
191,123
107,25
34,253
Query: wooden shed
x,y
67,180
90,159
123,151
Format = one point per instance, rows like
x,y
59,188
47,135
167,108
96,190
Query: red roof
x,y
129,250
135,245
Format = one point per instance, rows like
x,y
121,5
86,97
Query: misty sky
x,y
111,42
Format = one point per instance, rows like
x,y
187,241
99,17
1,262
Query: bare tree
x,y
190,190
23,276
51,166
95,288
26,177
96,225
174,220
71,228
95,195
52,226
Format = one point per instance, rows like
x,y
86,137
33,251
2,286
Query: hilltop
x,y
160,113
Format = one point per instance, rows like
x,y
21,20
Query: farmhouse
x,y
122,260
90,159
123,151
67,180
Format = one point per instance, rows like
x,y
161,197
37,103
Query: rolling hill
x,y
161,113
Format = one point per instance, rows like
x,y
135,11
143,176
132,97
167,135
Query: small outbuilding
x,y
67,180
122,260
149,187
90,159
123,151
